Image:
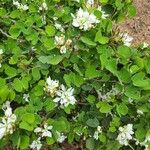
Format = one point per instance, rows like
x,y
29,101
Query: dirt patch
x,y
139,26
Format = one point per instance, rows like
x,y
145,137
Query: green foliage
x,y
109,81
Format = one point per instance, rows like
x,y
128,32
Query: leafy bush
x,y
67,75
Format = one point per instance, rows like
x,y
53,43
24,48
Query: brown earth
x,y
139,26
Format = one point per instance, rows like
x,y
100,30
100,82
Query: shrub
x,y
66,75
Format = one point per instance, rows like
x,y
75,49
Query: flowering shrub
x,y
67,75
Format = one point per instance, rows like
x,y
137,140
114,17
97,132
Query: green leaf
x,y
26,126
91,99
17,85
132,92
131,11
101,39
122,109
92,122
124,52
87,41
43,59
54,60
29,118
49,105
91,72
140,80
10,71
74,79
90,143
61,125
14,31
147,64
124,76
104,107
50,30
4,93
24,143
103,1
49,43
36,73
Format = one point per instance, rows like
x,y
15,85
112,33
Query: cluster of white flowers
x,y
84,20
61,137
1,52
125,134
51,86
62,44
97,132
43,6
127,40
20,6
45,131
36,144
8,121
64,96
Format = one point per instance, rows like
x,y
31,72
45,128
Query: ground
x,y
139,26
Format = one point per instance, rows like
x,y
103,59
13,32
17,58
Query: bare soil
x,y
139,26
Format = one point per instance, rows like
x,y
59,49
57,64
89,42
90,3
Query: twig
x,y
4,33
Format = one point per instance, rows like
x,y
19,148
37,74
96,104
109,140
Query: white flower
x,y
61,137
127,40
8,121
51,86
26,97
63,49
45,131
65,96
44,6
2,130
130,100
24,7
1,51
60,40
36,145
125,134
147,139
68,42
16,3
7,109
104,15
84,20
90,2
145,45
140,112
97,132
59,27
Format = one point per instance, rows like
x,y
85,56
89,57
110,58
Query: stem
x,y
131,147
